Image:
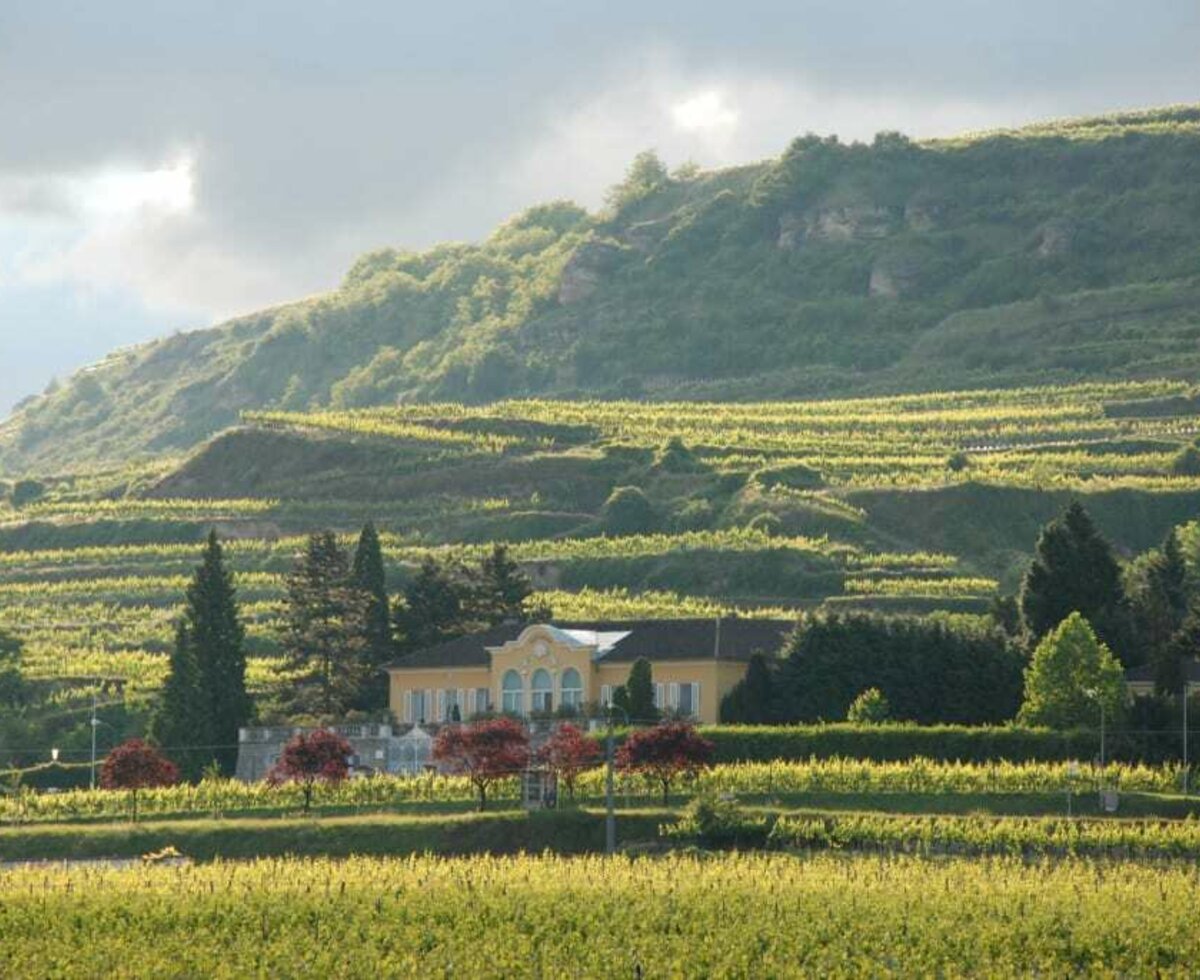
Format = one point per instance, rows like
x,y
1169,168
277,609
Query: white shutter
x,y
430,703
408,713
441,705
673,695
658,696
696,699
461,700
606,695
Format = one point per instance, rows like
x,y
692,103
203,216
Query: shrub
x,y
869,708
628,511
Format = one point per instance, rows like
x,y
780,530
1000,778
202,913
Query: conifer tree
x,y
639,690
325,631
1073,570
204,700
432,610
750,701
217,638
180,725
370,578
500,589
1159,598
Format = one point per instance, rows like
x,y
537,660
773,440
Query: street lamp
x,y
610,817
1093,693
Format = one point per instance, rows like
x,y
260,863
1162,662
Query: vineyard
x,y
764,509
749,779
737,915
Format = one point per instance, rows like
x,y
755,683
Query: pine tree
x,y
432,610
180,726
499,589
325,630
1159,598
640,692
1073,570
370,578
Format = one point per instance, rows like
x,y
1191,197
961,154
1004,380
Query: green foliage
x,y
25,492
986,254
927,671
1073,570
628,511
368,575
13,689
639,688
869,708
1187,462
752,700
1071,675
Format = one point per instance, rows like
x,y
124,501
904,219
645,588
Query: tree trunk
x,y
482,796
666,791
307,797
133,793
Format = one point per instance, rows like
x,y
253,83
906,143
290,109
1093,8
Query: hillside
x,y
919,503
1062,252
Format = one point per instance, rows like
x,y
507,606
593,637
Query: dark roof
x,y
1144,673
654,639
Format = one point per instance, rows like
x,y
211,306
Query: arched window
x,y
543,690
572,688
512,695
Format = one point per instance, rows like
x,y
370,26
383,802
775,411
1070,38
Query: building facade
x,y
375,749
538,669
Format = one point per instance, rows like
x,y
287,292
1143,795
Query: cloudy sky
x,y
166,165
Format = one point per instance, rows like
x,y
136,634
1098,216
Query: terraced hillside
x,y
1063,252
617,509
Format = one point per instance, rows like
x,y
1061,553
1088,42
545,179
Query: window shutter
x,y
408,713
441,705
672,695
460,698
429,705
696,698
606,695
658,695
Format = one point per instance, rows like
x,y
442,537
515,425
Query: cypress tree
x,y
204,701
370,578
325,630
216,638
1073,570
1159,605
751,700
640,692
179,722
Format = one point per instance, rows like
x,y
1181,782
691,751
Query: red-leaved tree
x,y
664,752
484,751
134,765
318,757
567,753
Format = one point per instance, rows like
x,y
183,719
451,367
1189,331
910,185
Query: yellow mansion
x,y
537,669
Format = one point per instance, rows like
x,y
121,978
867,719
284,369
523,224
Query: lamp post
x,y
1185,735
610,816
1093,694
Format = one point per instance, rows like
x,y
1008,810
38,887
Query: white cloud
x,y
704,112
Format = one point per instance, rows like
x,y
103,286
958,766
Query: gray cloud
x,y
321,129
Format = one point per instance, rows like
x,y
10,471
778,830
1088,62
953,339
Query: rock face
x,y
1054,238
894,276
849,223
584,270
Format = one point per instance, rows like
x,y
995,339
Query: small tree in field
x,y
319,757
134,765
484,751
664,752
869,708
1070,675
567,753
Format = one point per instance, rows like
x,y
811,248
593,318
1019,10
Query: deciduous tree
x,y
1071,674
134,765
316,757
567,753
483,751
665,752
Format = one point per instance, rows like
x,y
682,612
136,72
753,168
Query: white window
x,y
658,696
689,699
672,696
606,695
512,694
572,688
408,707
447,702
483,700
543,690
416,713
